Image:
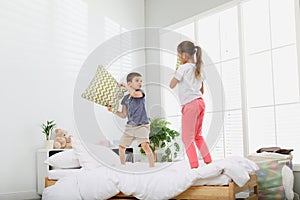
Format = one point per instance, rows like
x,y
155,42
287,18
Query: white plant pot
x,y
49,144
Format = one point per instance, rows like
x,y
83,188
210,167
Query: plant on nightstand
x,y
47,130
163,138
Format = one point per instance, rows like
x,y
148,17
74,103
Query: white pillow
x,y
92,156
104,154
64,160
85,159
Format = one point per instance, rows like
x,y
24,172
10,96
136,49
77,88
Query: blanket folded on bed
x,y
164,181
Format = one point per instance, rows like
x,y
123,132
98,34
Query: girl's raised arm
x,y
173,83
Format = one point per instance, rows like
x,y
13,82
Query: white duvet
x,y
162,182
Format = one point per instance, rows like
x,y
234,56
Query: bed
x,y
226,192
102,177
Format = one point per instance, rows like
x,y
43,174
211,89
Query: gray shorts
x,y
139,133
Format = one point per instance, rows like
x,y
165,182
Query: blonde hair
x,y
189,48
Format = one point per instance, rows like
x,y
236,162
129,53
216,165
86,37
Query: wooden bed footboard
x,y
49,182
220,192
226,192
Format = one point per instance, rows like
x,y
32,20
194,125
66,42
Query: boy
x,y
137,127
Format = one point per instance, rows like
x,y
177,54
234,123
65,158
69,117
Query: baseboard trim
x,y
24,195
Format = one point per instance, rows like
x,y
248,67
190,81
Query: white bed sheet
x,y
222,179
137,168
133,179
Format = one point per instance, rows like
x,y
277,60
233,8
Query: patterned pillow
x,y
178,63
104,90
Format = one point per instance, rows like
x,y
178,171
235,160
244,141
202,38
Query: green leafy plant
x,y
162,137
47,128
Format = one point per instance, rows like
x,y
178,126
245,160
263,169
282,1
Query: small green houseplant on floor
x,y
47,128
162,137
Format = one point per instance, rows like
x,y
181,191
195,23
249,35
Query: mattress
x,y
57,174
222,179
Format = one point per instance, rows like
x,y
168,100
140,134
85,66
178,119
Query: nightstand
x,y
42,168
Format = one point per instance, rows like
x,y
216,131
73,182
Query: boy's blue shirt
x,y
136,109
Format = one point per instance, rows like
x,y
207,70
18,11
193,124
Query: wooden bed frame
x,y
226,192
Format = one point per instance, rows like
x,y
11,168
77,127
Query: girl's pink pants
x,y
192,118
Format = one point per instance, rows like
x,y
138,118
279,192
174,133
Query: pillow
x,y
64,160
86,161
104,154
94,155
178,63
104,90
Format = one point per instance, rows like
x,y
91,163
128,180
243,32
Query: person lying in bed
x,y
137,127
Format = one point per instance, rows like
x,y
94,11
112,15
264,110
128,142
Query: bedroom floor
x,y
20,197
38,198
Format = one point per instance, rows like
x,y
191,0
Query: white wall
x,y
42,46
167,12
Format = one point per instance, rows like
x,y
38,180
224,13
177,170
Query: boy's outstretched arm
x,y
133,93
121,114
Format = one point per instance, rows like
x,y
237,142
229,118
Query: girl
x,y
189,78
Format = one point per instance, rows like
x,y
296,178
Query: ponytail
x,y
199,62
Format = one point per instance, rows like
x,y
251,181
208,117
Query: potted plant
x,y
47,130
163,138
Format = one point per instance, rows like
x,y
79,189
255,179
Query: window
x,y
218,37
272,74
258,67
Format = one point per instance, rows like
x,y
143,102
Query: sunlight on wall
x,y
43,44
